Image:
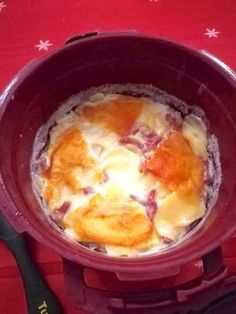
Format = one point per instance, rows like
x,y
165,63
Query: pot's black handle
x,y
40,299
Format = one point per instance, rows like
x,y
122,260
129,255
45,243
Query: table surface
x,y
29,29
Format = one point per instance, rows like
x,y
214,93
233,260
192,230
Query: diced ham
x,y
132,141
58,214
148,139
136,128
174,119
151,143
138,200
209,172
151,196
144,130
149,204
106,178
88,190
42,164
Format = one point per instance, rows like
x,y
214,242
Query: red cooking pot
x,y
95,59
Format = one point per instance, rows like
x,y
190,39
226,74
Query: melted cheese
x,y
115,223
85,148
115,250
95,135
196,133
175,213
167,230
153,115
152,242
117,115
122,166
69,162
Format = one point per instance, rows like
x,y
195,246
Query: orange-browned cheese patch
x,y
117,115
68,154
175,165
110,223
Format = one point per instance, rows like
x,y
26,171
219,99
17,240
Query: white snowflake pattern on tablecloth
x,y
43,45
211,33
153,0
2,5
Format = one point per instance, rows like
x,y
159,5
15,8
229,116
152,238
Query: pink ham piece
x,y
151,143
136,128
149,204
138,200
209,172
106,178
88,190
58,214
41,165
149,138
174,119
145,130
132,141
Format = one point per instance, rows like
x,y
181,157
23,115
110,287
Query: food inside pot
x,y
125,175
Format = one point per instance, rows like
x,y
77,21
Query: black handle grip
x,y
40,299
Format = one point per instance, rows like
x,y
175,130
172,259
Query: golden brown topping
x,y
111,223
118,114
69,159
175,165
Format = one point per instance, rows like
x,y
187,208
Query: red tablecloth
x,y
30,29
